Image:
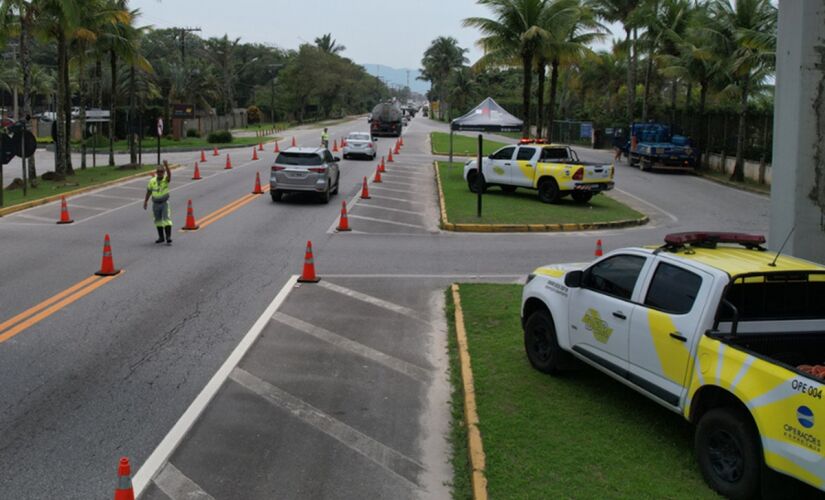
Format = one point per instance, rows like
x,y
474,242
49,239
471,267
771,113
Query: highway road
x,y
108,368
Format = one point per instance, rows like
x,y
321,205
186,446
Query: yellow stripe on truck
x,y
673,356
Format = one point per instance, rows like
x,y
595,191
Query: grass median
x,y
462,145
81,179
150,144
522,206
579,435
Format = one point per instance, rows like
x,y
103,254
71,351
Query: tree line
x,y
85,54
676,56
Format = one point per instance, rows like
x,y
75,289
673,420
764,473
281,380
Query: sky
x,y
394,33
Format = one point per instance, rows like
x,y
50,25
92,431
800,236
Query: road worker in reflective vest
x,y
158,190
325,138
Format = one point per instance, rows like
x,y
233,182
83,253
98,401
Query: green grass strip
x,y
579,435
462,145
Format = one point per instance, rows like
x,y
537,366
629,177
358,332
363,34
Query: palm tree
x,y
462,88
666,24
623,11
570,27
221,52
440,59
327,44
746,40
515,33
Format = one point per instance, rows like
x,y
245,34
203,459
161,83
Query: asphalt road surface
x,y
107,368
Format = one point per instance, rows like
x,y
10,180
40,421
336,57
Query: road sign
x,y
586,130
160,127
184,111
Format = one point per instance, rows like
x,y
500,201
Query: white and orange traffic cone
x,y
64,212
203,156
215,151
598,252
389,157
191,224
257,189
293,141
377,178
277,149
343,223
308,274
228,163
107,264
196,175
365,193
124,489
260,146
254,154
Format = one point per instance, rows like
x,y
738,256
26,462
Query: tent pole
x,y
451,146
480,184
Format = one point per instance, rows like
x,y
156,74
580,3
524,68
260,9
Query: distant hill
x,y
398,76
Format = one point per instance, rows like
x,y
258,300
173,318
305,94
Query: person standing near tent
x,y
158,190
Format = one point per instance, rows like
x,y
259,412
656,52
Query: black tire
x,y
337,184
549,191
728,451
581,196
276,195
645,165
325,195
472,182
508,189
541,343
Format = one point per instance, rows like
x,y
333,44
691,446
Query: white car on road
x,y
359,144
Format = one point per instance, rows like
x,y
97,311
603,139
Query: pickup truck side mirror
x,y
573,279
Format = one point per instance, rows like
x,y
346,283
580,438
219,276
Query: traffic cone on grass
x,y
343,223
64,212
196,175
254,154
308,273
598,252
377,178
107,265
257,189
190,225
124,489
365,193
228,162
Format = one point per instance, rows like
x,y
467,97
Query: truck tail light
x,y
276,168
579,175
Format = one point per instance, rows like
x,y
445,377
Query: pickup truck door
x,y
664,328
523,170
601,309
497,167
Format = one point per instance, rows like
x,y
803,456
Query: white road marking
x,y
385,181
75,205
406,311
520,277
413,371
109,196
141,189
173,438
672,217
387,458
390,209
390,189
377,197
32,217
179,487
375,219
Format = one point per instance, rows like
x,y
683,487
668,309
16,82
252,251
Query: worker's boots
x,y
168,235
160,235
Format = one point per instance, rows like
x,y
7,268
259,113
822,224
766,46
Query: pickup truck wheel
x,y
581,196
472,182
549,191
541,344
728,452
508,189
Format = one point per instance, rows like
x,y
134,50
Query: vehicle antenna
x,y
773,264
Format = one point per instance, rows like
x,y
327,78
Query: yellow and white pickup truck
x,y
554,170
709,325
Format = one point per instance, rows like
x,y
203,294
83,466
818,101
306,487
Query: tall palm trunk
x,y
739,167
633,61
527,67
540,97
132,141
82,103
67,106
646,95
112,102
674,85
630,83
25,63
551,104
61,169
703,143
688,106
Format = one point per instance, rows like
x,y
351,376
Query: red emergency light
x,y
711,238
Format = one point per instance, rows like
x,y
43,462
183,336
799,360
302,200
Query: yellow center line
x,y
46,303
228,209
33,320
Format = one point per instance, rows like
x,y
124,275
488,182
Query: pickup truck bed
x,y
789,349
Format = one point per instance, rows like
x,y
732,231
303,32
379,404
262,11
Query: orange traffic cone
x,y
293,141
190,225
343,142
254,154
257,189
277,149
335,146
228,162
64,212
365,193
389,157
308,274
343,224
203,156
599,252
397,147
401,140
124,489
215,151
196,175
377,178
260,146
381,166
107,265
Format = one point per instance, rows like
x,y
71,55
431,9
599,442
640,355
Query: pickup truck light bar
x,y
711,238
529,140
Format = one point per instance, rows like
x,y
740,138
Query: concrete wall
x,y
751,167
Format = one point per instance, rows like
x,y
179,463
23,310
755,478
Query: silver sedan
x,y
359,144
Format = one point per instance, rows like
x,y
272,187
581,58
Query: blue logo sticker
x,y
805,416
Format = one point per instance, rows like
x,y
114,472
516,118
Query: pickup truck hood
x,y
558,270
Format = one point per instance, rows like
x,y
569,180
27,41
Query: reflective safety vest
x,y
324,136
158,188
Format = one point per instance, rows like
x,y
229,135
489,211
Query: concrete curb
x,y
182,149
734,185
446,225
475,449
48,199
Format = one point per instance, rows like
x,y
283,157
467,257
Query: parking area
x,y
343,394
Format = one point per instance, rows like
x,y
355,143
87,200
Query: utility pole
x,y
182,34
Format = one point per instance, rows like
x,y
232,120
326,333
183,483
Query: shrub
x,y
219,136
192,132
97,140
253,114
